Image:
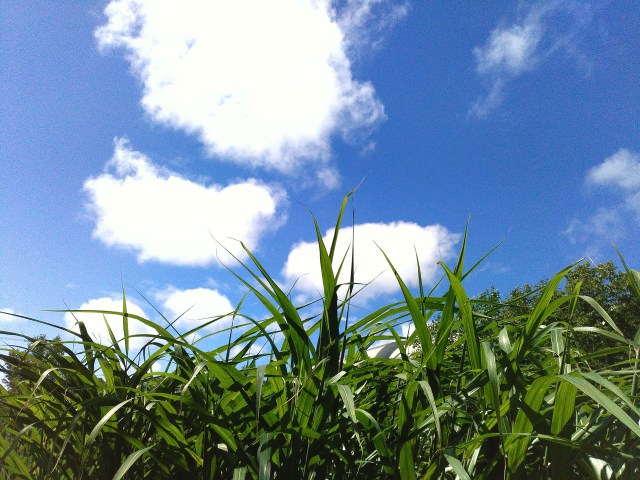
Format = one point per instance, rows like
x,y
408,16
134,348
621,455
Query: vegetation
x,y
605,284
498,389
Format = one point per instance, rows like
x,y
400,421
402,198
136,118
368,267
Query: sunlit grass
x,y
474,396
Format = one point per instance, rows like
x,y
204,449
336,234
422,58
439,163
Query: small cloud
x,y
263,84
496,268
6,315
510,51
513,50
96,323
365,21
195,306
166,218
397,240
633,203
329,178
605,224
621,170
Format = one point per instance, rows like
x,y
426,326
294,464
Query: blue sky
x,y
133,132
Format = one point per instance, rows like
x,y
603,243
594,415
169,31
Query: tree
x,y
604,283
20,366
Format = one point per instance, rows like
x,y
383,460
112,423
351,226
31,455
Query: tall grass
x,y
480,397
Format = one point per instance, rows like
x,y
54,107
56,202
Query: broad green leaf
x,y
406,462
563,407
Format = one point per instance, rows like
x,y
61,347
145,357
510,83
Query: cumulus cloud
x,y
166,218
260,83
397,239
512,50
194,306
96,323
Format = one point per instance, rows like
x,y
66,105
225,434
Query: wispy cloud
x,y
364,22
397,239
620,173
164,217
512,50
260,83
605,223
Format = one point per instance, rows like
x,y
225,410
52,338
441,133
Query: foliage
x,y
509,396
605,284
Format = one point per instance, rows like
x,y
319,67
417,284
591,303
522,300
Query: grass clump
x,y
485,395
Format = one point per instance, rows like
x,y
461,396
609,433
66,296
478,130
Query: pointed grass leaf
x,y
504,342
518,443
130,460
605,316
195,373
289,320
98,427
434,409
633,276
457,467
347,398
466,314
260,371
424,335
597,378
264,457
239,473
492,388
541,310
125,322
611,407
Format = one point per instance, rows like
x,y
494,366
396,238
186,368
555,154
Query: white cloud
x,y
622,169
195,306
621,172
166,218
6,315
96,323
260,83
605,223
364,21
397,239
633,203
512,50
509,52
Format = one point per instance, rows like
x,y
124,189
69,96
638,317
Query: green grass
x,y
480,398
